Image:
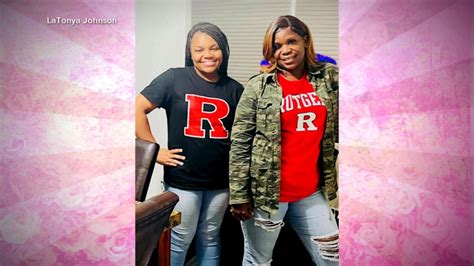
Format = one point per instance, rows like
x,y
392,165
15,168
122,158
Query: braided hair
x,y
216,34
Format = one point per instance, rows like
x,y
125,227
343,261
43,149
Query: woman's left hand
x,y
242,211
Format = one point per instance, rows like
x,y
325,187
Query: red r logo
x,y
196,116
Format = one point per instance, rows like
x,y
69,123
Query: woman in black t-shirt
x,y
200,101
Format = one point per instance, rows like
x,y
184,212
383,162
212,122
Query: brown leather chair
x,y
152,216
145,159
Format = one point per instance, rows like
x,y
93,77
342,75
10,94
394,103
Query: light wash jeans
x,y
311,218
202,212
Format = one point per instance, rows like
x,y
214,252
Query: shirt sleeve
x,y
161,89
240,90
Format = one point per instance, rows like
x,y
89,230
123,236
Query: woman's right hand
x,y
170,157
242,211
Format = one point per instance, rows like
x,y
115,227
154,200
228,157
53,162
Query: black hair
x,y
216,34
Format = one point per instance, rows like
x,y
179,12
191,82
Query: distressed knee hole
x,y
269,225
263,264
328,246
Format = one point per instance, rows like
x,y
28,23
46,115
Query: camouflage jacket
x,y
254,166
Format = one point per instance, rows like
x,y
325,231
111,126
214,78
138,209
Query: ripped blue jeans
x,y
311,218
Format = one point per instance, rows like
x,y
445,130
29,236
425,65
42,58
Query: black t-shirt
x,y
200,116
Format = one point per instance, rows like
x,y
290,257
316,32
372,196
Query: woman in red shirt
x,y
282,162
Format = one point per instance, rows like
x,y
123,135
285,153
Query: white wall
x,y
160,32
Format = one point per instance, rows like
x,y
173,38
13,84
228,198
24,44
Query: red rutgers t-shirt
x,y
303,117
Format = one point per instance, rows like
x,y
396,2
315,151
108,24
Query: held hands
x,y
170,157
242,211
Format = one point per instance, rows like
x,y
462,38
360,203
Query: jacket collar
x,y
313,72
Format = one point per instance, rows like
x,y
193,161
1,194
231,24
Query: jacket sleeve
x,y
335,87
333,73
243,132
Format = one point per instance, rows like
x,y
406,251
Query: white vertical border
x,y
189,15
293,8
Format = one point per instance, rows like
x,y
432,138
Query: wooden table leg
x,y
164,248
164,245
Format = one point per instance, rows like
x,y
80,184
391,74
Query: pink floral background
x,y
406,115
406,138
67,185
